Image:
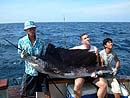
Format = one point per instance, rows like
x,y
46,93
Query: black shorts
x,y
43,85
32,84
90,79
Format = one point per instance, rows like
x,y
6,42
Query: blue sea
x,y
63,34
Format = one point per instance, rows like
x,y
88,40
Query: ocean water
x,y
63,35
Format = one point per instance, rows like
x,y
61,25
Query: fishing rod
x,y
47,75
13,44
17,47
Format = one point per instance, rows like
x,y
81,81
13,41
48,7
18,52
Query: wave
x,y
122,47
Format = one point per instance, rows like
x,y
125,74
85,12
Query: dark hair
x,y
106,40
83,35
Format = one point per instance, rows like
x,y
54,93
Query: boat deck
x,y
14,91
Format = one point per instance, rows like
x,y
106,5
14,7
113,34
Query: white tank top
x,y
107,58
92,48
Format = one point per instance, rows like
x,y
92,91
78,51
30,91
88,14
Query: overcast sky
x,y
12,11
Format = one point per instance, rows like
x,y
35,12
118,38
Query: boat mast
x,y
64,35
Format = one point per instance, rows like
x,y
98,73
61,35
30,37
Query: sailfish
x,y
65,63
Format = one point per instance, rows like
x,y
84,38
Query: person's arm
x,y
117,62
98,57
23,53
20,47
101,61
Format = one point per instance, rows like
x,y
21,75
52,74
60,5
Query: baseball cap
x,y
29,24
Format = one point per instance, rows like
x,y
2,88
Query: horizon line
x,y
64,22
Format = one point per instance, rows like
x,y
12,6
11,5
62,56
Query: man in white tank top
x,y
106,57
99,82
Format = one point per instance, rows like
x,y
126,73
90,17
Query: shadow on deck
x,y
14,92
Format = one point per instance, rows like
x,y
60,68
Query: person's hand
x,y
114,71
94,75
100,73
24,54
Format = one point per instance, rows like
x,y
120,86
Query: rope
x,y
58,88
